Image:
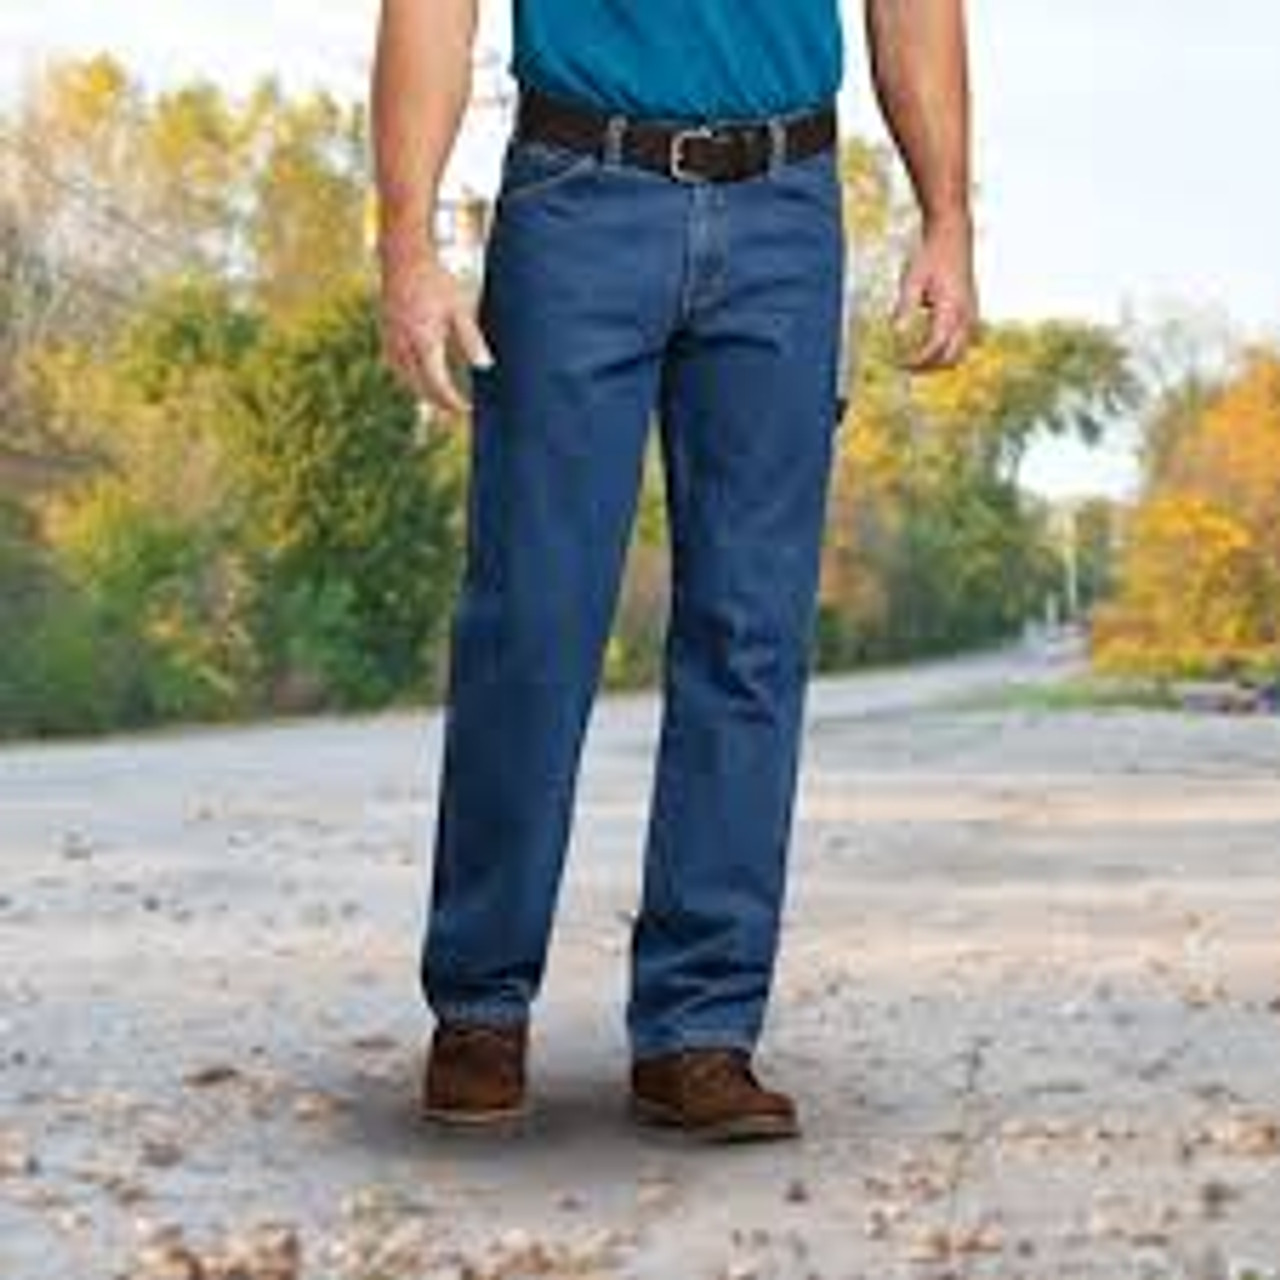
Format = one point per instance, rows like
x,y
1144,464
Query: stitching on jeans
x,y
517,193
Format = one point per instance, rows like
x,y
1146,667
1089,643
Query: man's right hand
x,y
425,312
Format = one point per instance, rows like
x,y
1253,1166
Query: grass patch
x,y
1076,693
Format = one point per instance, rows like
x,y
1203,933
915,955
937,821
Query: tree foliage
x,y
214,500
1200,578
355,520
933,543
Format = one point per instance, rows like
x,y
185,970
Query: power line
x,y
85,192
53,271
91,284
61,272
495,97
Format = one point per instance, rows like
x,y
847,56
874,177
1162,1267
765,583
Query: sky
x,y
1122,153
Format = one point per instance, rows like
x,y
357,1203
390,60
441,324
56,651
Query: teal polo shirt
x,y
685,59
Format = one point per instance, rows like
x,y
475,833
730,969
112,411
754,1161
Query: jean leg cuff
x,y
651,1046
484,1014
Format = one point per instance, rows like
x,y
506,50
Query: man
x,y
668,237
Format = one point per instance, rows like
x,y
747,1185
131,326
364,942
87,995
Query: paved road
x,y
1029,1000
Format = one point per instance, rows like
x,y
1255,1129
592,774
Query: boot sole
x,y
753,1128
456,1119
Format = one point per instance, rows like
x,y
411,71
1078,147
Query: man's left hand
x,y
939,283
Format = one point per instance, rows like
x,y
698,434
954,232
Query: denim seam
x,y
651,1046
517,193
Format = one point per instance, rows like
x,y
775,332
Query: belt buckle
x,y
675,153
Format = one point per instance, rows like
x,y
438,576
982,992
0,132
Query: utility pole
x,y
464,215
1065,522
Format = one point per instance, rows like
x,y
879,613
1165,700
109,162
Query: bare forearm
x,y
421,83
919,52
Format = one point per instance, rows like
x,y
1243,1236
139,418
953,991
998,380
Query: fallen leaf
x,y
209,1077
16,1158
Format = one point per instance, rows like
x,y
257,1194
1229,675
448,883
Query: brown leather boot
x,y
475,1073
712,1094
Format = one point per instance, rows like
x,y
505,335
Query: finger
x,y
946,322
958,347
953,344
930,349
440,387
471,340
395,357
913,293
411,363
404,363
426,422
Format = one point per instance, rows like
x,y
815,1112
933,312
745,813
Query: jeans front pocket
x,y
531,168
816,179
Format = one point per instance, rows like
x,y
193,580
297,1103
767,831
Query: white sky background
x,y
1124,147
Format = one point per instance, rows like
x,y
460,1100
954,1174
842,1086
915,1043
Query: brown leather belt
x,y
713,152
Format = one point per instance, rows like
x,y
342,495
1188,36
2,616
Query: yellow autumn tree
x,y
1200,575
932,544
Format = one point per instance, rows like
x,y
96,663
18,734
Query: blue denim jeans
x,y
613,294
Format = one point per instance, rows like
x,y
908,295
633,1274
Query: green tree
x,y
355,521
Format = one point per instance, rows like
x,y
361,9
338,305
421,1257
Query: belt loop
x,y
614,129
520,115
777,144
